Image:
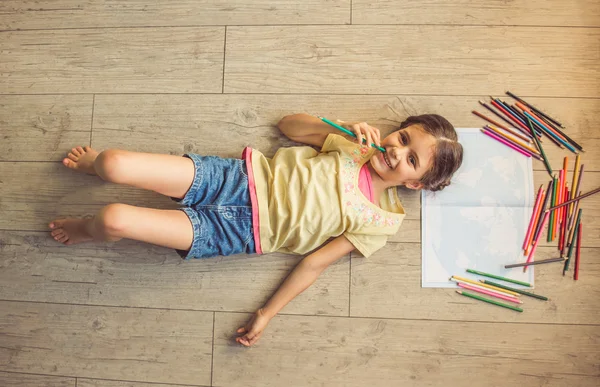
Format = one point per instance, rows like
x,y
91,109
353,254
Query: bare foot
x,y
70,231
81,159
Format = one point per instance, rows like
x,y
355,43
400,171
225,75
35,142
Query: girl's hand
x,y
363,130
253,328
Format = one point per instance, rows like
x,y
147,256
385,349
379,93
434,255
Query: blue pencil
x,y
349,133
550,133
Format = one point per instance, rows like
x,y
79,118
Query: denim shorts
x,y
219,207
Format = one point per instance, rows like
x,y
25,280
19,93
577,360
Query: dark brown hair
x,y
448,152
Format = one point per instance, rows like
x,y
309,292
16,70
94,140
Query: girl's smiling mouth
x,y
386,160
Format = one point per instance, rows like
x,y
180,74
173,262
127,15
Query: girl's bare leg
x,y
168,228
166,174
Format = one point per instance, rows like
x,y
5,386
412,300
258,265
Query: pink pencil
x,y
489,293
531,221
505,142
535,243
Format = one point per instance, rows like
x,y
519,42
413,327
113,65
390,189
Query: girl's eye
x,y
411,159
402,139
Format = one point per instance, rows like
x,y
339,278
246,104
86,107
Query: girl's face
x,y
409,154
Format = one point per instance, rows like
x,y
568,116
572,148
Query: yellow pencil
x,y
574,184
485,285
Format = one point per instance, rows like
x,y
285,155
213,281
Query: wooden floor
x,y
213,76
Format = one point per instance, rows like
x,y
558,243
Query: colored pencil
x,y
563,227
538,217
536,207
349,133
572,229
532,152
574,183
547,195
539,146
498,277
578,253
565,174
513,140
471,295
490,120
489,293
552,134
517,132
536,241
559,194
523,292
577,192
507,143
534,108
566,267
540,262
582,196
462,279
552,203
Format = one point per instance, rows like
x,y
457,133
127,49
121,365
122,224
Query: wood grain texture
x,y
163,346
47,14
34,267
581,13
326,351
412,60
128,60
41,127
9,379
81,382
389,285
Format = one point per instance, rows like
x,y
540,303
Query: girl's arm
x,y
305,128
305,273
311,130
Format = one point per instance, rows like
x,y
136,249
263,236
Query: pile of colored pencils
x,y
493,290
558,205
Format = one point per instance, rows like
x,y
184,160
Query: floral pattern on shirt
x,y
351,165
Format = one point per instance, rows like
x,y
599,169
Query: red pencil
x,y
577,254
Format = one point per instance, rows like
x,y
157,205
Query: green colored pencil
x,y
349,133
498,277
514,290
471,295
573,239
539,146
552,203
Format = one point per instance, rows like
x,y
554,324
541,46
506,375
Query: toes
x,y
75,152
63,238
73,156
56,232
87,148
80,150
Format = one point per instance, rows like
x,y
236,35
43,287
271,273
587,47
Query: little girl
x,y
292,203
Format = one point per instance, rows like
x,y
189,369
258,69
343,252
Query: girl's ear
x,y
414,184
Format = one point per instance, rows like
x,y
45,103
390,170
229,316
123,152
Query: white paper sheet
x,y
480,220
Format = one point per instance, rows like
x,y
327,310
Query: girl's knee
x,y
113,219
110,165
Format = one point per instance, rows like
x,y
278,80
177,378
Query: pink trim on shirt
x,y
365,184
247,155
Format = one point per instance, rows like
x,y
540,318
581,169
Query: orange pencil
x,y
565,165
559,193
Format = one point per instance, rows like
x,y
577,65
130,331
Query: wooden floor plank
x,y
325,351
109,383
389,285
47,14
445,60
162,346
130,60
9,379
126,273
42,127
581,13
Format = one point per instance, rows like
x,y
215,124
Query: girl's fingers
x,y
357,131
241,330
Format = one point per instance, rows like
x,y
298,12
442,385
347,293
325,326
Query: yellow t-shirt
x,y
305,197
